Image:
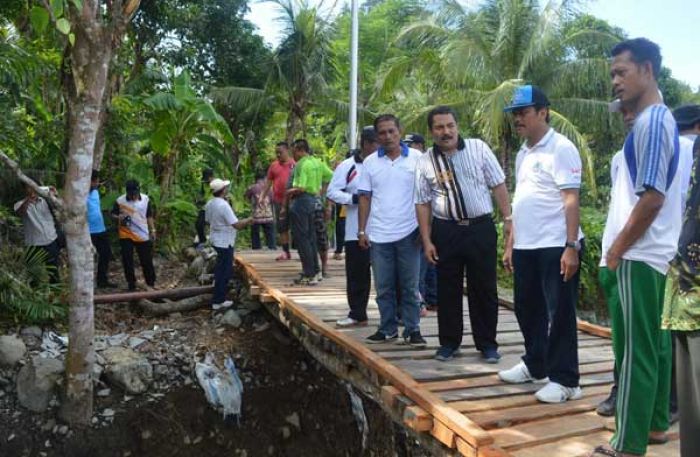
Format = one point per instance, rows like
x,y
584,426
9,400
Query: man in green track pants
x,y
640,239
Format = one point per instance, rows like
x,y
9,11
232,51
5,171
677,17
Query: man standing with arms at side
x,y
454,182
544,250
311,176
640,239
343,191
387,218
277,177
98,231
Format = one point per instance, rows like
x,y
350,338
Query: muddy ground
x,y
292,406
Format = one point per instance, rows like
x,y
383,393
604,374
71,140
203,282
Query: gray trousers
x,y
688,382
301,221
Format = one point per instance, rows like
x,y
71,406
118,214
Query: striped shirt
x,y
475,169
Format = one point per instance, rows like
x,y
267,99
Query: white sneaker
x,y
519,374
554,392
349,322
223,305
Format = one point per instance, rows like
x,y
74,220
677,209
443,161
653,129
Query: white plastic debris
x,y
359,412
223,388
53,345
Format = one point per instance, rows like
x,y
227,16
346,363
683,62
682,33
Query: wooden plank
x,y
444,434
418,419
547,431
513,416
500,403
388,396
491,380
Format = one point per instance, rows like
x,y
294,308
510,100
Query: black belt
x,y
467,222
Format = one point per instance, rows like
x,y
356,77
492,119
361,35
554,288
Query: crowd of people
x,y
419,220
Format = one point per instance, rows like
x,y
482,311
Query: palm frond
x,y
567,128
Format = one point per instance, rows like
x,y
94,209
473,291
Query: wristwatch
x,y
573,244
361,233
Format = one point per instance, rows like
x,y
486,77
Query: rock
x,y
135,342
128,369
232,319
62,430
293,419
32,331
118,339
107,412
12,349
36,381
104,392
50,424
286,432
146,434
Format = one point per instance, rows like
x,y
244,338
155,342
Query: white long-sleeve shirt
x,y
343,191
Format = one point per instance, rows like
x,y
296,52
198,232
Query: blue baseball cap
x,y
525,96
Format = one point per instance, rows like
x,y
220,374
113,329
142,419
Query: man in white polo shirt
x,y
640,239
544,252
388,215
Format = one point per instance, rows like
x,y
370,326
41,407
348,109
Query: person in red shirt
x,y
277,177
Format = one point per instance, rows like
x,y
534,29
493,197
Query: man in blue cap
x,y
544,250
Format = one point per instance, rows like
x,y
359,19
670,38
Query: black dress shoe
x,y
606,408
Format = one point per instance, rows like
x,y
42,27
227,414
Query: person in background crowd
x,y
277,177
310,178
98,232
39,228
427,275
262,213
223,225
204,196
640,239
544,250
343,191
455,180
136,217
387,218
682,304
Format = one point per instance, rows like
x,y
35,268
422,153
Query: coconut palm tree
x,y
479,57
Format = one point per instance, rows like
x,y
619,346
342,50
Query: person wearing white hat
x,y
223,225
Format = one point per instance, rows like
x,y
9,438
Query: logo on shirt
x,y
444,176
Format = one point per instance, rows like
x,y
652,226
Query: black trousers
x,y
303,223
145,252
545,306
359,276
472,249
339,230
200,225
104,255
268,230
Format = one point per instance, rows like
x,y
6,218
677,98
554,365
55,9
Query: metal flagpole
x,y
353,74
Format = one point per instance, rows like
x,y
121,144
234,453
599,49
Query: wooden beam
x,y
183,292
417,419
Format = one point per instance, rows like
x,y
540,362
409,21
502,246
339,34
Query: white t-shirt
x,y
38,224
220,217
650,160
685,165
391,183
542,172
341,190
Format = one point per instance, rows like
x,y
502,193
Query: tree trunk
x,y
90,58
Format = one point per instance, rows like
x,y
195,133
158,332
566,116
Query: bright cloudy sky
x,y
671,23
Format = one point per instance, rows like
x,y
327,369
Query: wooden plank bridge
x,y
459,407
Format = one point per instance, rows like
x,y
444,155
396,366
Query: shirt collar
x,y
404,150
543,141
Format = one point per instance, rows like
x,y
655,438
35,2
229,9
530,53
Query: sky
x,y
672,24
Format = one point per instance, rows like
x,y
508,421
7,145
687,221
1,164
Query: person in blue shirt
x,y
98,232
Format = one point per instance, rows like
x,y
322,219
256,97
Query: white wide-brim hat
x,y
217,184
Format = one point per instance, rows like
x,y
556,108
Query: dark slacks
x,y
104,255
471,248
688,359
545,307
144,250
359,277
268,230
339,231
303,224
200,225
223,272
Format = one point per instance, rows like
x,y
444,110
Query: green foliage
x,y
25,293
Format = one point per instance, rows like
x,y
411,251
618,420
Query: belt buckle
x,y
464,222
